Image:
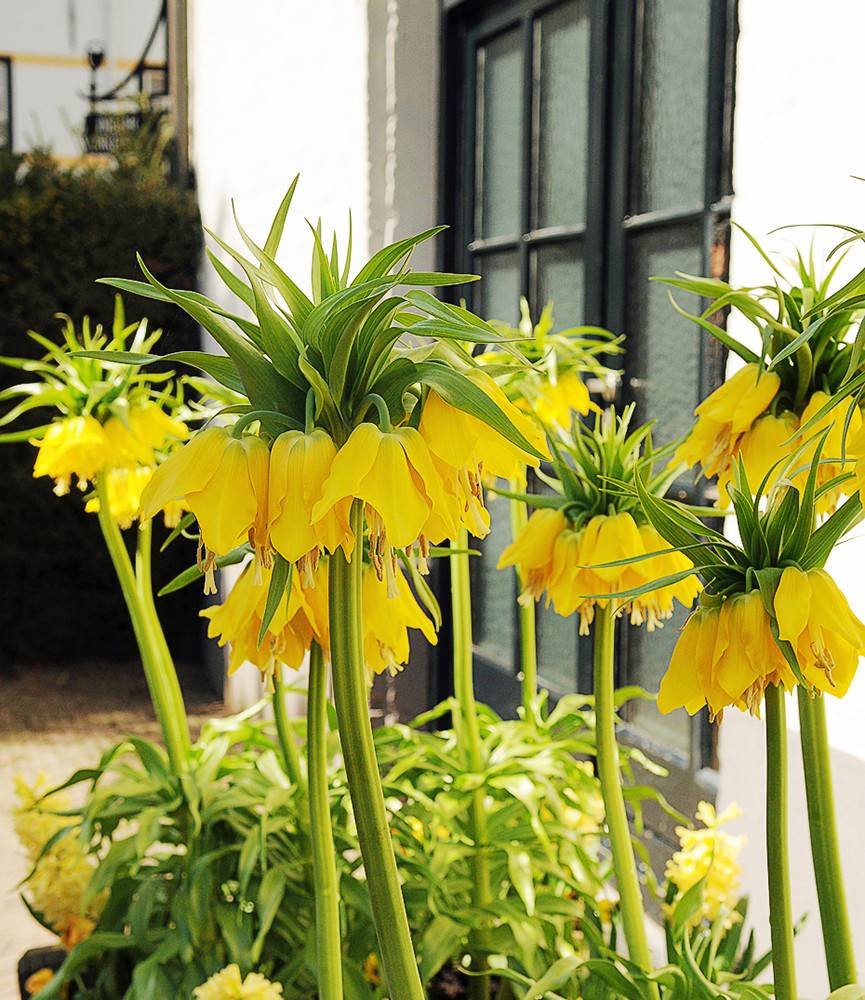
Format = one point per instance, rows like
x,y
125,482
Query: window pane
x,y
557,649
5,104
499,148
670,165
664,347
648,656
563,121
558,274
497,294
494,592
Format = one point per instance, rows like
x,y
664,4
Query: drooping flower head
x,y
805,329
770,614
589,542
229,984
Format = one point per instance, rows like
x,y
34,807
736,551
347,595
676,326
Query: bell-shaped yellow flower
x,y
237,621
834,447
387,621
393,473
466,442
815,618
224,482
557,401
299,466
657,605
74,446
124,487
761,448
532,550
725,656
135,437
724,416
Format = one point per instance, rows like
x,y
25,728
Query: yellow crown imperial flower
x,y
558,400
709,854
224,482
841,421
815,618
134,437
761,448
724,416
125,487
73,446
237,621
657,606
387,621
462,441
532,550
228,984
299,465
725,655
393,473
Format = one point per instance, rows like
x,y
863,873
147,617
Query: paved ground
x,y
56,720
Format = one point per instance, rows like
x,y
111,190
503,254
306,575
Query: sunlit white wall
x,y
797,141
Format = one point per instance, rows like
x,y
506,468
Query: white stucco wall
x,y
797,140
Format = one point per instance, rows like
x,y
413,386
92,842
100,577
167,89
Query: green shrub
x,y
62,228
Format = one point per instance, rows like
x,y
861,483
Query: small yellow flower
x,y
299,465
814,616
125,487
229,985
558,400
387,620
74,446
38,981
224,482
724,416
711,854
761,448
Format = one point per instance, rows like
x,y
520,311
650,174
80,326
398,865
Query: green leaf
x,y
193,573
274,237
521,875
851,992
280,581
559,973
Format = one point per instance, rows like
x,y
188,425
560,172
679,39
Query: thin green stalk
x,y
624,862
327,937
160,680
837,941
153,625
470,738
527,624
777,846
287,743
351,694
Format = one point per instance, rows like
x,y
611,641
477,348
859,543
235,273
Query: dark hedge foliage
x,y
62,228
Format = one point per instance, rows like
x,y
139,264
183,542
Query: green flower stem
x,y
165,668
470,737
158,668
837,942
351,694
777,847
624,862
287,743
527,625
327,936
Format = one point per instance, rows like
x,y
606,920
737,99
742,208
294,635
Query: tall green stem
x,y
527,624
837,942
158,668
327,936
165,663
351,694
470,737
777,847
624,862
287,743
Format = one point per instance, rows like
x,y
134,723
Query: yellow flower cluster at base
x,y
572,566
228,984
726,654
61,875
712,855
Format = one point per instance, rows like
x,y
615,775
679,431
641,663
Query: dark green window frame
x,y
615,222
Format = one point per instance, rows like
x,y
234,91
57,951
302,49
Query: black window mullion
x,y
527,192
596,194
